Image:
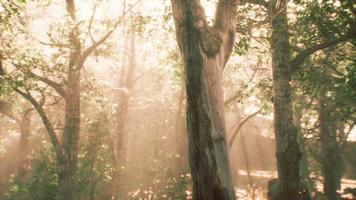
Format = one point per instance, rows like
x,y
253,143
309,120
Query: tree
x,y
126,84
205,50
287,148
69,90
284,66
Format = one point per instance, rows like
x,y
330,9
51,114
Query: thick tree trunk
x,y
205,120
205,51
287,148
330,150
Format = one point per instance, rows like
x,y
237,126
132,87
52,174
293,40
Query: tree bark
x,y
330,151
287,148
304,164
205,52
70,143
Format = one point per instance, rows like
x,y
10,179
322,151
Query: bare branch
x,y
233,137
95,45
91,22
347,134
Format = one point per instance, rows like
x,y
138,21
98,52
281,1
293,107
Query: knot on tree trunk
x,y
210,40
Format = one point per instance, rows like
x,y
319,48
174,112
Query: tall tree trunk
x,y
181,160
70,144
330,150
25,128
287,148
205,52
304,164
247,163
71,132
126,83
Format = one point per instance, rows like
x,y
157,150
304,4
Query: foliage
x,y
42,181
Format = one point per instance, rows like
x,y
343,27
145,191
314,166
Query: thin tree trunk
x,y
205,51
247,163
330,150
304,164
181,160
287,148
123,98
25,129
234,134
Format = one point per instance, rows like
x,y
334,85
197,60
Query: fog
x,y
118,116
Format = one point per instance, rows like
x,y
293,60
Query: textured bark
x,y
205,52
287,148
304,164
330,151
70,142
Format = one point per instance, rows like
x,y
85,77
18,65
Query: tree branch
x,y
2,70
231,99
233,137
225,17
299,59
96,44
47,123
91,22
56,86
347,134
225,22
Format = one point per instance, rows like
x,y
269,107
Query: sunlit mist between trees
x,y
177,99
